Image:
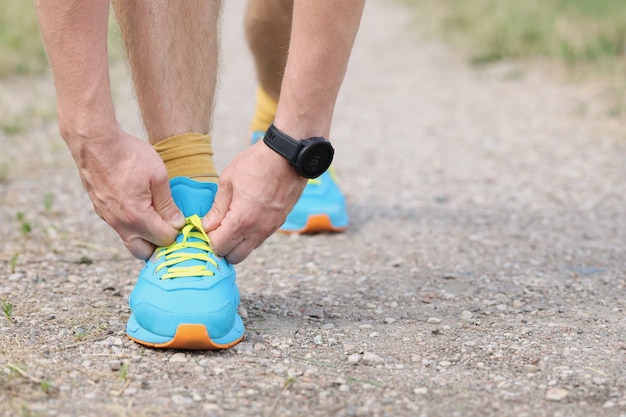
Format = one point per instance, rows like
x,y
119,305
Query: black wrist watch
x,y
310,157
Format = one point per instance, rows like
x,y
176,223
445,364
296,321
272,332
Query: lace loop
x,y
194,238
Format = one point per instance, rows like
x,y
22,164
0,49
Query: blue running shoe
x,y
186,296
321,207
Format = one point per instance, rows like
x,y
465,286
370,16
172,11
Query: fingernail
x,y
178,220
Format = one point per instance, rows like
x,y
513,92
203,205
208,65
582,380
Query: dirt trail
x,y
483,273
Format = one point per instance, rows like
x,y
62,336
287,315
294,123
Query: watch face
x,y
316,159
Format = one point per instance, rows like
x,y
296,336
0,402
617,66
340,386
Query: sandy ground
x,y
483,273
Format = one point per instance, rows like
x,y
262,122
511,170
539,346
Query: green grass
x,y
21,51
7,308
579,33
21,48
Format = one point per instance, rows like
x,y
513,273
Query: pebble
x,y
433,320
318,340
178,357
531,368
180,400
328,326
466,315
365,326
314,312
608,404
372,358
390,320
115,365
243,313
420,390
354,359
556,394
396,263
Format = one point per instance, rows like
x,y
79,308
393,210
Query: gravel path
x,y
484,272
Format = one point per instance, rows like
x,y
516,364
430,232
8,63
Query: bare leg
x,y
173,54
268,28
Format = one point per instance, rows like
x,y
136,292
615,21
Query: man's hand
x,y
129,187
256,192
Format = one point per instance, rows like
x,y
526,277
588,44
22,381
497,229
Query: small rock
x,y
531,368
318,340
466,315
416,359
390,320
556,394
178,357
314,312
179,399
433,320
365,326
396,263
15,277
372,358
243,313
115,365
420,390
328,326
608,404
354,359
445,364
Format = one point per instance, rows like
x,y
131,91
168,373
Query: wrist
x,y
82,124
310,157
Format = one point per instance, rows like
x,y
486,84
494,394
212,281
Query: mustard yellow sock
x,y
188,155
265,111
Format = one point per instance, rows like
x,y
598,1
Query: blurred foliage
x,y
577,32
21,48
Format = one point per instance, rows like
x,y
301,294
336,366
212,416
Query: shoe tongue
x,y
193,197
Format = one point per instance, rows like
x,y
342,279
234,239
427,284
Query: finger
x,y
150,226
240,252
221,204
139,248
164,204
227,236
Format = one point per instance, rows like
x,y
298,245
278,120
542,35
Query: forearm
x,y
75,37
322,36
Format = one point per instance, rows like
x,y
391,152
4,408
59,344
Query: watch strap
x,y
282,143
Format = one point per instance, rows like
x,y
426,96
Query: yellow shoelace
x,y
176,253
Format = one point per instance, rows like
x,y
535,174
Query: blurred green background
x,y
21,51
21,48
579,33
586,37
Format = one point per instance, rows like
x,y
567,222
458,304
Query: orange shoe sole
x,y
316,223
190,337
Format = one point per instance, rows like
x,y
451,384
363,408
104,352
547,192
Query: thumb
x,y
164,204
213,219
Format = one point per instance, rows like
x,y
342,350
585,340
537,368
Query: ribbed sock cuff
x,y
188,155
265,111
